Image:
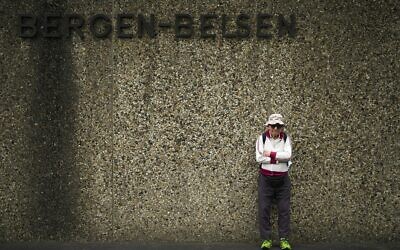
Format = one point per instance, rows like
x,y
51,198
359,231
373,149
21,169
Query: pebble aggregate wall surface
x,y
153,139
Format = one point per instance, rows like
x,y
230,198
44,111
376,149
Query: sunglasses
x,y
276,126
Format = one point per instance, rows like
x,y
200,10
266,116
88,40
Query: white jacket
x,y
283,153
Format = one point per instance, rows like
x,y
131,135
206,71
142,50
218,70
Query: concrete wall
x,y
141,139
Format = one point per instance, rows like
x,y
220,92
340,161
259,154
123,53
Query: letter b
x,y
183,22
27,26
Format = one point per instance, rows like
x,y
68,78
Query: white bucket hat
x,y
275,119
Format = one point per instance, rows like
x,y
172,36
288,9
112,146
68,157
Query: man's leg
x,y
283,198
265,193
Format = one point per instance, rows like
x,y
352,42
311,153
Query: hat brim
x,y
274,122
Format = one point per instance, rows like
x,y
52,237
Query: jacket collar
x,y
281,135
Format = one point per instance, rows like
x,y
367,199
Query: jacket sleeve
x,y
286,154
260,150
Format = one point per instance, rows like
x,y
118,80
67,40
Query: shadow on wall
x,y
53,184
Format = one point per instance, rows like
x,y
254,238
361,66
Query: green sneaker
x,y
267,244
285,244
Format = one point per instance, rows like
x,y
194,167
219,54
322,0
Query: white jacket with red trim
x,y
280,156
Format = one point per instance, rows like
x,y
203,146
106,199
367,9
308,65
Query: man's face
x,y
275,129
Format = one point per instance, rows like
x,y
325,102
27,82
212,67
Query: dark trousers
x,y
269,189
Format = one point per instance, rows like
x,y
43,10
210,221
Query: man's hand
x,y
267,153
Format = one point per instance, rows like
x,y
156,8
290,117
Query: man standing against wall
x,y
273,152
